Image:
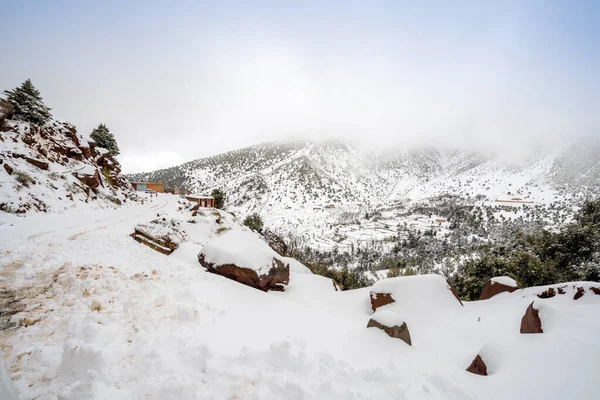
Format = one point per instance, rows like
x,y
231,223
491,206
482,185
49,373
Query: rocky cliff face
x,y
53,168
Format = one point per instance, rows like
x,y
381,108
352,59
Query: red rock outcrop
x,y
380,300
92,181
492,288
477,366
397,331
531,322
549,293
278,275
38,163
454,292
579,294
9,170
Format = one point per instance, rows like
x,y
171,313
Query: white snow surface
x,y
117,320
387,318
242,247
505,280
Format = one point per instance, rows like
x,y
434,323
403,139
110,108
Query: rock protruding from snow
x,y
418,292
477,366
531,322
242,256
392,324
498,285
380,300
162,234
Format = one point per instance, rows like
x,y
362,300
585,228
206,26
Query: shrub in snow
x,y
219,196
28,103
23,177
242,256
254,222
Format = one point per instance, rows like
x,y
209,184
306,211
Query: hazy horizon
x,y
194,79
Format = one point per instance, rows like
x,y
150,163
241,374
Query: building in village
x,y
143,186
202,200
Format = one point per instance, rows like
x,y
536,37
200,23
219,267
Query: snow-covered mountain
x,y
304,185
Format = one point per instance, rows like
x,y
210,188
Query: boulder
x,y
92,181
390,323
531,322
6,111
422,294
549,293
498,285
38,163
9,170
242,256
477,366
163,235
380,300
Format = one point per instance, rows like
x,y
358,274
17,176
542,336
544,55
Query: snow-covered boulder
x,y
162,234
415,292
390,323
531,322
498,285
241,255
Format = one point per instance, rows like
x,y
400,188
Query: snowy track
x,y
111,319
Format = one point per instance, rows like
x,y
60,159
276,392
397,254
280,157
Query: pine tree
x,y
28,103
219,196
104,138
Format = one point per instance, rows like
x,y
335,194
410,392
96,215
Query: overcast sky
x,y
175,81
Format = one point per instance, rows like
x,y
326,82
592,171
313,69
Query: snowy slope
x,y
111,318
53,169
308,188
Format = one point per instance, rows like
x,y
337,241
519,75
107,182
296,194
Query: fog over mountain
x,y
506,77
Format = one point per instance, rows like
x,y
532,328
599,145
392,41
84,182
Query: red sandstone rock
x,y
531,322
278,274
492,288
454,292
38,163
547,294
380,300
397,331
579,294
477,366
8,169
